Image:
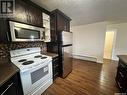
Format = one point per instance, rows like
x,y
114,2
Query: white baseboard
x,y
99,61
85,58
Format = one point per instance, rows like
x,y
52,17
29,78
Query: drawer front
x,y
122,86
122,72
55,68
56,59
55,73
121,79
55,62
122,65
9,88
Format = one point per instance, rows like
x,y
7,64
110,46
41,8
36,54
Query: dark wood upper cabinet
x,y
20,11
35,16
4,36
63,23
53,28
66,25
59,22
27,12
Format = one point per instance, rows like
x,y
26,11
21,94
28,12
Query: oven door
x,y
24,32
35,77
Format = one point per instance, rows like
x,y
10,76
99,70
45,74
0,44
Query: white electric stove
x,y
35,70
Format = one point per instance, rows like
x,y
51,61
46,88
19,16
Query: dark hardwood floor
x,y
87,78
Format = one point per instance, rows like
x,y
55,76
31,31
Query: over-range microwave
x,y
24,32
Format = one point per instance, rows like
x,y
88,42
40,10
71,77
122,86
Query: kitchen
x,y
42,52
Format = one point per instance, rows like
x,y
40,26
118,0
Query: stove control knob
x,y
28,49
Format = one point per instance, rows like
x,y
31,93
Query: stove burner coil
x,y
28,62
38,56
22,60
43,57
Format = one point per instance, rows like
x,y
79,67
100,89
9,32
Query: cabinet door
x,y
55,67
60,22
38,17
28,13
63,23
12,86
21,13
66,25
121,77
10,90
35,16
4,36
53,28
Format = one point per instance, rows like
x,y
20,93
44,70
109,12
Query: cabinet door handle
x,y
122,65
55,66
30,18
55,74
55,59
27,18
121,74
119,85
7,88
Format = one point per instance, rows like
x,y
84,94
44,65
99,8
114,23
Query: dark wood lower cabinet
x,y
12,86
121,77
55,63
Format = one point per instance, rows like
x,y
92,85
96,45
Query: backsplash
x,y
5,48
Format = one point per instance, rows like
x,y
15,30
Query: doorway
x,y
109,44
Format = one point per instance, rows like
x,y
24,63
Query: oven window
x,y
23,33
39,74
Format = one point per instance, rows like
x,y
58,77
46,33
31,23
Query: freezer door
x,y
67,60
66,37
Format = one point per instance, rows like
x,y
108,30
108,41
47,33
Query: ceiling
x,y
88,11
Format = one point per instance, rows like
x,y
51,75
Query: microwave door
x,y
24,32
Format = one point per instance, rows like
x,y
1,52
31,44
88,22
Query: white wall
x,y
88,40
121,39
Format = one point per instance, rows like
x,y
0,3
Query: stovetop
x,y
31,60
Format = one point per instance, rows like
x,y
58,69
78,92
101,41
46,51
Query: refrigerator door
x,y
66,37
67,60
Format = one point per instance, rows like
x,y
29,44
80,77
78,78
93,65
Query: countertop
x,y
7,70
123,58
53,55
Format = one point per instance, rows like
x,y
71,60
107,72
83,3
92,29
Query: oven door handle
x,y
28,70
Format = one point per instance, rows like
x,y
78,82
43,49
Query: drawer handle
x,y
55,59
119,85
7,88
121,75
56,74
122,65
